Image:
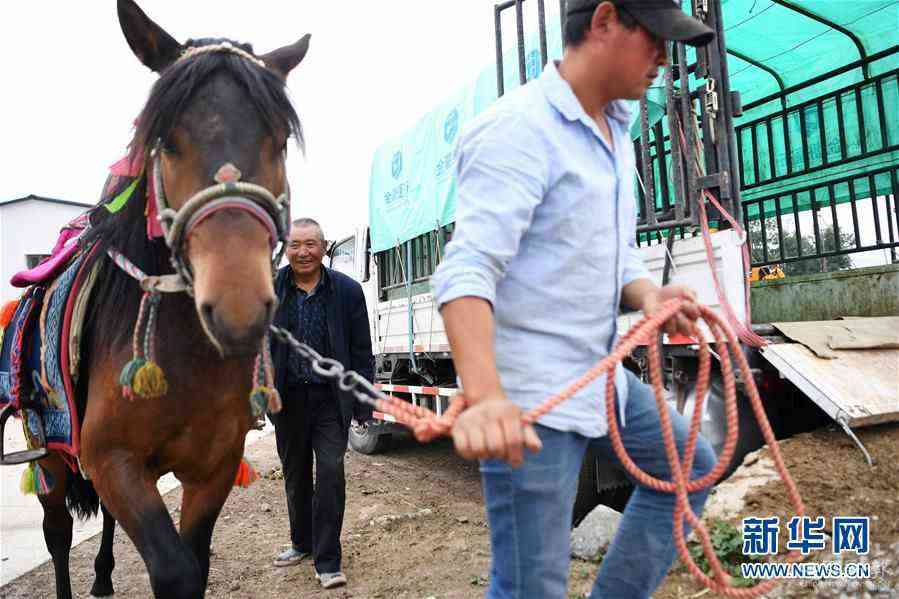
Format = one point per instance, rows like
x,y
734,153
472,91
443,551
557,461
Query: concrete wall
x,y
29,227
870,291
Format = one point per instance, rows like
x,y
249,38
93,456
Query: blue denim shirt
x,y
545,232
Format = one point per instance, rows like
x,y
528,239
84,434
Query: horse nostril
x,y
270,306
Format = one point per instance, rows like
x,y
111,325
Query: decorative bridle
x,y
142,376
229,193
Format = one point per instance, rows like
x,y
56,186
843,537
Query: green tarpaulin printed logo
x,y
451,126
396,165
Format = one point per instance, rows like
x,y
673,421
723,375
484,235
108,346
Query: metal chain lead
x,y
347,380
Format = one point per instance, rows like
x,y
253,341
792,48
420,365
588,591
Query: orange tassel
x,y
7,312
246,475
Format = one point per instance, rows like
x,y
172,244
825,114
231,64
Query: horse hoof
x,y
102,589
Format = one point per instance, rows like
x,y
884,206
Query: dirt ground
x,y
415,525
833,480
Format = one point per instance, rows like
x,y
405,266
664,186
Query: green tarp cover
x,y
412,186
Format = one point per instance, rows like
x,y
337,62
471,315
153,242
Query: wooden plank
x,y
827,336
861,384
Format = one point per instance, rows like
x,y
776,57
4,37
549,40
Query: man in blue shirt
x,y
543,255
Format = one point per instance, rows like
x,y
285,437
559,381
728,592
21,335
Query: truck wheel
x,y
367,440
715,429
588,494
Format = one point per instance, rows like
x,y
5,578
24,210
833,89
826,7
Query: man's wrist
x,y
648,300
478,393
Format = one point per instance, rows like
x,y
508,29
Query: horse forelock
x,y
177,87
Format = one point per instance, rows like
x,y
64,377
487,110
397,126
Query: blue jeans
x,y
530,509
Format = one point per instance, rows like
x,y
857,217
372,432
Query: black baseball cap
x,y
662,18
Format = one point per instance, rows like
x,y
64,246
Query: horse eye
x,y
168,147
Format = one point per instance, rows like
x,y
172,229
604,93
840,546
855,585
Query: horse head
x,y
214,134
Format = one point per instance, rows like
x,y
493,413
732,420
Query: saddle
x,y
40,349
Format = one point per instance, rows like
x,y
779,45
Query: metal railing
x,y
806,125
777,234
425,256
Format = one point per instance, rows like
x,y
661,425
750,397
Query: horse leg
x,y
58,523
200,507
129,493
105,561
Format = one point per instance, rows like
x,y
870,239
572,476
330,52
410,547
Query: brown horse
x,y
218,110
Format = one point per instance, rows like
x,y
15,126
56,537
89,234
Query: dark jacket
x,y
349,333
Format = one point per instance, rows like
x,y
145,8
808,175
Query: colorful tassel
x,y
264,398
149,381
144,378
142,375
7,313
130,369
258,401
246,474
36,480
126,378
26,485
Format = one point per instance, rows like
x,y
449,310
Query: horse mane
x,y
116,296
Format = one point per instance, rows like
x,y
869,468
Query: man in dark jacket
x,y
326,310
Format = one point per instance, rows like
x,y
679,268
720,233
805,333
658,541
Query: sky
x,y
72,87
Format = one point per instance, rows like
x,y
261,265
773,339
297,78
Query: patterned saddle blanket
x,y
40,351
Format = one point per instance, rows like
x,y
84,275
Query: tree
x,y
800,267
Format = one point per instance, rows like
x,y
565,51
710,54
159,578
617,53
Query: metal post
x,y
562,19
497,19
519,31
409,307
679,192
724,134
649,194
541,24
691,190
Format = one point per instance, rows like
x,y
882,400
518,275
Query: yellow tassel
x,y
26,485
149,381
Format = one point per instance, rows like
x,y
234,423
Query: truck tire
x,y
367,439
714,423
749,435
589,496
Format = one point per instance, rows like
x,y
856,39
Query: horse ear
x,y
283,60
149,42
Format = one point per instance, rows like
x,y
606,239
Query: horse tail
x,y
81,497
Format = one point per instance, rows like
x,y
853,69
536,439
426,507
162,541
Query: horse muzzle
x,y
236,333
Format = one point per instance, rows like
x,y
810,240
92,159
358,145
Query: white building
x,y
29,227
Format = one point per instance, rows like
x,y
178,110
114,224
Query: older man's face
x,y
305,249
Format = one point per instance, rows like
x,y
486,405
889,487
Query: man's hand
x,y
492,428
682,323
